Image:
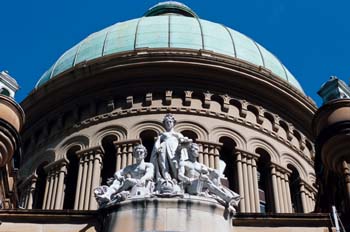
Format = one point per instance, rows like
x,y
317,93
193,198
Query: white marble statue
x,y
198,179
135,180
168,151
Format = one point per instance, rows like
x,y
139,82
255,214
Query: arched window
x,y
71,178
40,187
5,92
190,134
227,154
294,185
109,158
264,181
148,138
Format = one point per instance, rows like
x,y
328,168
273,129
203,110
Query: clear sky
x,y
311,38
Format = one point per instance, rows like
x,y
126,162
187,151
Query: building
x,y
110,91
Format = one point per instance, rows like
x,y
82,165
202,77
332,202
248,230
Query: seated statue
x,y
131,181
198,179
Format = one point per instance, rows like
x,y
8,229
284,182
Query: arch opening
x,y
71,178
264,176
40,186
190,134
294,185
109,160
228,156
148,138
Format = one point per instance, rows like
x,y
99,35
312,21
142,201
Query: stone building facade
x,y
228,94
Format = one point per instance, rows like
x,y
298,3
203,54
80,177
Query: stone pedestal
x,y
167,215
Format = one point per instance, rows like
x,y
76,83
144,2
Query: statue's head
x,y
140,152
169,121
194,150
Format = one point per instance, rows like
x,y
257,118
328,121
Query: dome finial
x,y
170,7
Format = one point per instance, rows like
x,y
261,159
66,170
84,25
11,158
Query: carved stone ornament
x,y
173,171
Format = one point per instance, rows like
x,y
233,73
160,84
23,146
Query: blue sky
x,y
311,38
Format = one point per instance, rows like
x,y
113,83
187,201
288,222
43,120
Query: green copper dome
x,y
169,25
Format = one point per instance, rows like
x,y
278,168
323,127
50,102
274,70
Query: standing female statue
x,y
167,150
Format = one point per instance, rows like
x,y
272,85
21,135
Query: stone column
x,y
62,172
256,186
206,155
240,181
79,178
55,191
209,153
212,156
275,189
47,184
119,157
289,200
31,191
201,150
284,193
90,164
245,183
50,178
124,150
217,157
303,197
96,174
251,185
89,176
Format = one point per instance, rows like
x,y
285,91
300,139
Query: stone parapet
x,y
167,214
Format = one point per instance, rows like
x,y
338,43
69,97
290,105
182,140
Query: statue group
x,y
173,171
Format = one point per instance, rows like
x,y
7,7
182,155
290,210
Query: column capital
x,y
126,142
27,181
90,151
58,165
280,169
248,154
